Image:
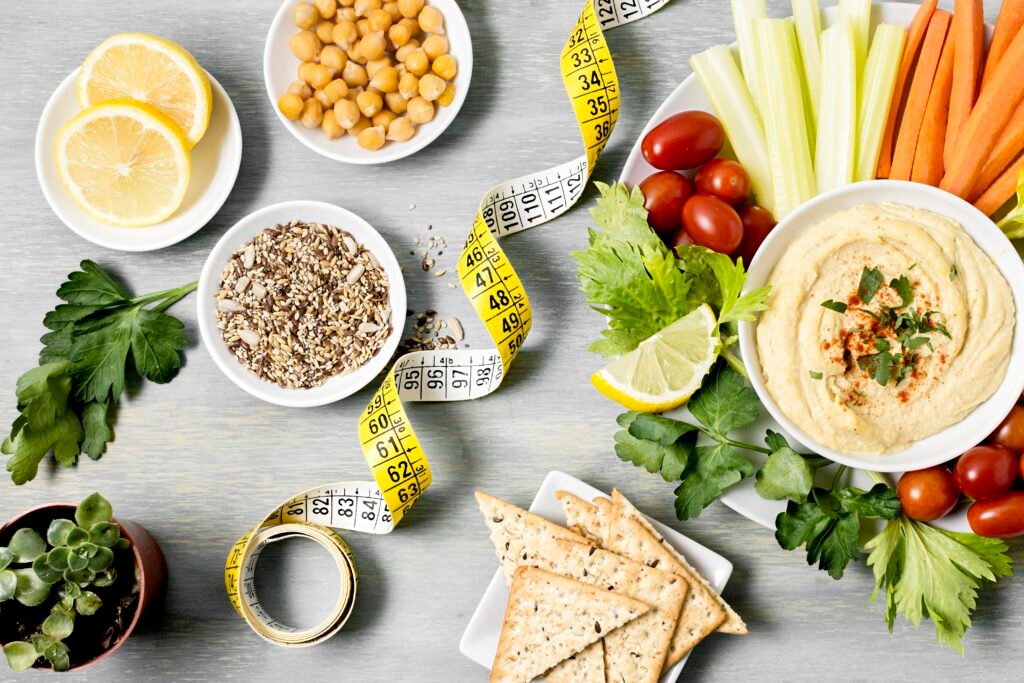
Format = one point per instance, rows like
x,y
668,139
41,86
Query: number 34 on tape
x,y
392,451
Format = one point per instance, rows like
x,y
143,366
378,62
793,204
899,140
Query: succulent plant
x,y
77,555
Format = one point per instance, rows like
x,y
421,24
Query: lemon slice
x,y
151,70
666,368
124,162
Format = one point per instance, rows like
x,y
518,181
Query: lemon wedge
x,y
666,368
124,162
152,70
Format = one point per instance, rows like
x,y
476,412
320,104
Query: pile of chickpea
x,y
369,68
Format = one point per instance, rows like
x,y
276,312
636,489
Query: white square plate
x,y
480,641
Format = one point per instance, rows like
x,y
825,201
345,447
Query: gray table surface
x,y
198,461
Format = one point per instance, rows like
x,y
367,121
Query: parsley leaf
x,y
717,468
725,402
837,306
785,475
870,281
927,572
904,289
815,374
657,444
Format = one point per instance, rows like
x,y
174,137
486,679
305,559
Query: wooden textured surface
x,y
198,461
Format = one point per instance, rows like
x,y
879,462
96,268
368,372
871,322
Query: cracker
x,y
550,618
582,517
732,623
512,528
637,651
584,667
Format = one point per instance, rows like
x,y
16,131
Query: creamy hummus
x,y
885,325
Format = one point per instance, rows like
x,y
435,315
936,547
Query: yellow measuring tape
x,y
392,450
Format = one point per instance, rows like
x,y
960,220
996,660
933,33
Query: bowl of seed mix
x,y
301,303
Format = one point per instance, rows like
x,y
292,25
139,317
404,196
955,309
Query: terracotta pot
x,y
149,561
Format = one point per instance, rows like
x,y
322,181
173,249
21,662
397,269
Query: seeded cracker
x,y
582,517
550,618
584,667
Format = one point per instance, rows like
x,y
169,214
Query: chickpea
x,y
431,87
395,102
326,8
348,13
372,45
391,8
301,89
399,35
347,113
290,105
319,76
409,86
354,55
369,102
363,27
305,16
364,7
330,126
354,75
305,46
334,58
383,118
347,3
410,9
379,20
400,130
312,114
360,126
344,33
372,67
371,138
417,63
435,45
321,97
325,31
336,90
431,20
444,66
385,79
420,110
304,72
448,96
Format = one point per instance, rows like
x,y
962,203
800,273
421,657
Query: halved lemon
x,y
666,368
124,162
152,70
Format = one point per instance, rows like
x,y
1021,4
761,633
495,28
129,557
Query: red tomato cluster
x,y
989,475
711,209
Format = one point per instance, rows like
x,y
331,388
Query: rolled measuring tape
x,y
392,451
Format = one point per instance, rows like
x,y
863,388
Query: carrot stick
x,y
969,34
1003,189
917,98
1009,145
915,36
989,117
928,162
1011,18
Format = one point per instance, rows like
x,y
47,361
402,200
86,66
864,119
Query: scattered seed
x,y
242,284
456,326
249,257
229,306
354,274
249,337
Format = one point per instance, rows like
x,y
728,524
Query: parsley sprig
x,y
98,338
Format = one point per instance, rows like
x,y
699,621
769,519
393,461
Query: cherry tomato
x,y
683,141
712,223
986,472
1011,432
757,223
1000,517
677,239
665,193
725,179
927,494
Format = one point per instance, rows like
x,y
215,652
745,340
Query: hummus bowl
x,y
960,398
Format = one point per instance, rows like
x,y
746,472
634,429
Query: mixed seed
x,y
303,302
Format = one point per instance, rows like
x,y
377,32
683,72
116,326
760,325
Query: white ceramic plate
x,y
688,95
215,163
339,386
480,640
279,70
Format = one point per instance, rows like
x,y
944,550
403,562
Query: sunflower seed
x,y
229,306
354,274
456,328
249,256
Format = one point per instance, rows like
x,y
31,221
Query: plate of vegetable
x,y
714,169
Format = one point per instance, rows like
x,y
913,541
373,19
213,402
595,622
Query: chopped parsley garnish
x,y
837,306
904,289
870,280
954,272
815,374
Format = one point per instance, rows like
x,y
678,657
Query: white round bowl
x,y
279,70
215,163
339,386
954,440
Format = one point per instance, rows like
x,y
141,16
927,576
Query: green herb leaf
x,y
954,272
662,430
815,374
669,460
837,306
904,289
785,475
877,365
716,469
870,281
97,432
725,402
92,286
831,540
881,502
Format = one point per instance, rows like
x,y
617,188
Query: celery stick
x,y
721,80
785,123
743,14
837,117
878,83
807,15
858,12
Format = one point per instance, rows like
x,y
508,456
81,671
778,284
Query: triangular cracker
x,y
637,651
582,517
584,667
733,623
550,618
511,527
